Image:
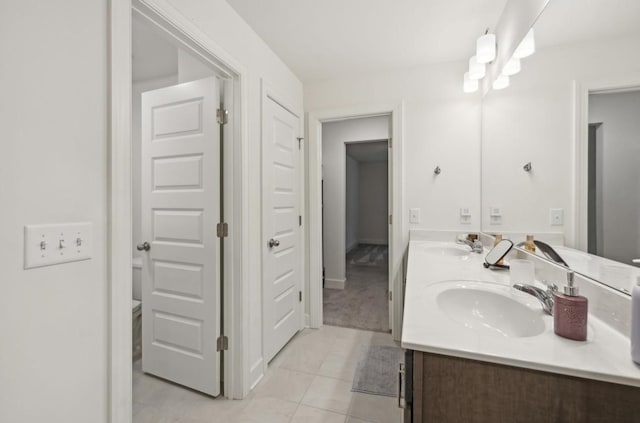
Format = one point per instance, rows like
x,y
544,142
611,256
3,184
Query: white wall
x,y
441,127
620,117
231,34
373,199
334,137
533,120
53,169
352,206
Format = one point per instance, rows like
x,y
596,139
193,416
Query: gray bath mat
x,y
377,370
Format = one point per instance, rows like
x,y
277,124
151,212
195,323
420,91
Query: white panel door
x,y
180,210
282,276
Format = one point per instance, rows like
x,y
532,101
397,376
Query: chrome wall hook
x,y
527,167
437,170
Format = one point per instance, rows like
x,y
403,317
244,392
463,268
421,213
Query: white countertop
x,y
604,356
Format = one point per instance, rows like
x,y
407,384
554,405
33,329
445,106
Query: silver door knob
x,y
273,243
143,247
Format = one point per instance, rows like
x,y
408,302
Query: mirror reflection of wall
x,y
579,45
614,175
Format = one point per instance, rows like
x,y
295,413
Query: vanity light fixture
x,y
486,48
512,67
476,70
527,46
502,81
470,85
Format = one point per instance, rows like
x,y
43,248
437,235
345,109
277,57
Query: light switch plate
x,y
46,245
414,215
556,217
465,215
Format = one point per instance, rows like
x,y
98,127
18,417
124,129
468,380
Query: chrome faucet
x,y
475,245
545,297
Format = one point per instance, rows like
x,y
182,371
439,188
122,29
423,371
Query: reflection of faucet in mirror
x,y
545,297
472,242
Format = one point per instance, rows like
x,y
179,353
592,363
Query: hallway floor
x,y
363,303
309,381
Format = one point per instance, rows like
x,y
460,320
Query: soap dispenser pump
x,y
570,312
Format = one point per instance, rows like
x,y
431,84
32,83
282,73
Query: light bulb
x,y
512,67
501,82
527,46
470,85
486,48
476,70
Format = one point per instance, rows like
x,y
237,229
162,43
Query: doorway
x,y
176,196
613,175
356,223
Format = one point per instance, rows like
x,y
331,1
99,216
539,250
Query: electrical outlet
x,y
556,217
414,215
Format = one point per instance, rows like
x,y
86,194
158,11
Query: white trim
x,y
335,283
119,403
581,92
397,238
120,203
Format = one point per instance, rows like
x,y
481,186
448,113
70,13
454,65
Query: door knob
x,y
636,261
144,246
273,243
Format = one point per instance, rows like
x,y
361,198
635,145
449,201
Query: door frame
x,y
398,239
119,252
578,235
269,93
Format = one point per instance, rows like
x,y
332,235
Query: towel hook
x,y
437,170
527,167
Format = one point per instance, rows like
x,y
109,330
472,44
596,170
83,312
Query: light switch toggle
x,y
78,242
43,245
63,244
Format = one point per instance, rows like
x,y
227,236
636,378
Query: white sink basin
x,y
446,251
491,308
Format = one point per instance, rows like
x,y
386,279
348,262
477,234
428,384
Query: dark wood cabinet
x,y
442,389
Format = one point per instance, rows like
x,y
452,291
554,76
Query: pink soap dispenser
x,y
570,312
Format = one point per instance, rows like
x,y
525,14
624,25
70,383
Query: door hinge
x,y
390,219
299,220
222,343
390,295
223,116
300,142
222,230
300,296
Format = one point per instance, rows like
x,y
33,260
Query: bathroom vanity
x,y
480,351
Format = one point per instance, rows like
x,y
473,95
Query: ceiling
x,y
153,55
375,151
326,39
573,21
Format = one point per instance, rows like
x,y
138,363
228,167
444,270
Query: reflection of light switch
x,y
414,215
465,215
556,217
495,215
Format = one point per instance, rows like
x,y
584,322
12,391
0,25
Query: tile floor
x,y
309,381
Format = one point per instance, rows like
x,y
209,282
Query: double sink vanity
x,y
480,350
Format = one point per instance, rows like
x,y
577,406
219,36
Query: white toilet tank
x,y
136,264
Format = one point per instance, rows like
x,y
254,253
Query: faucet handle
x,y
551,288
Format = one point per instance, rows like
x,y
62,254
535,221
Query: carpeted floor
x,y
363,303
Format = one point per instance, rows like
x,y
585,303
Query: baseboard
x,y
352,246
256,373
334,283
374,241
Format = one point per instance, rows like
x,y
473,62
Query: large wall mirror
x,y
561,144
